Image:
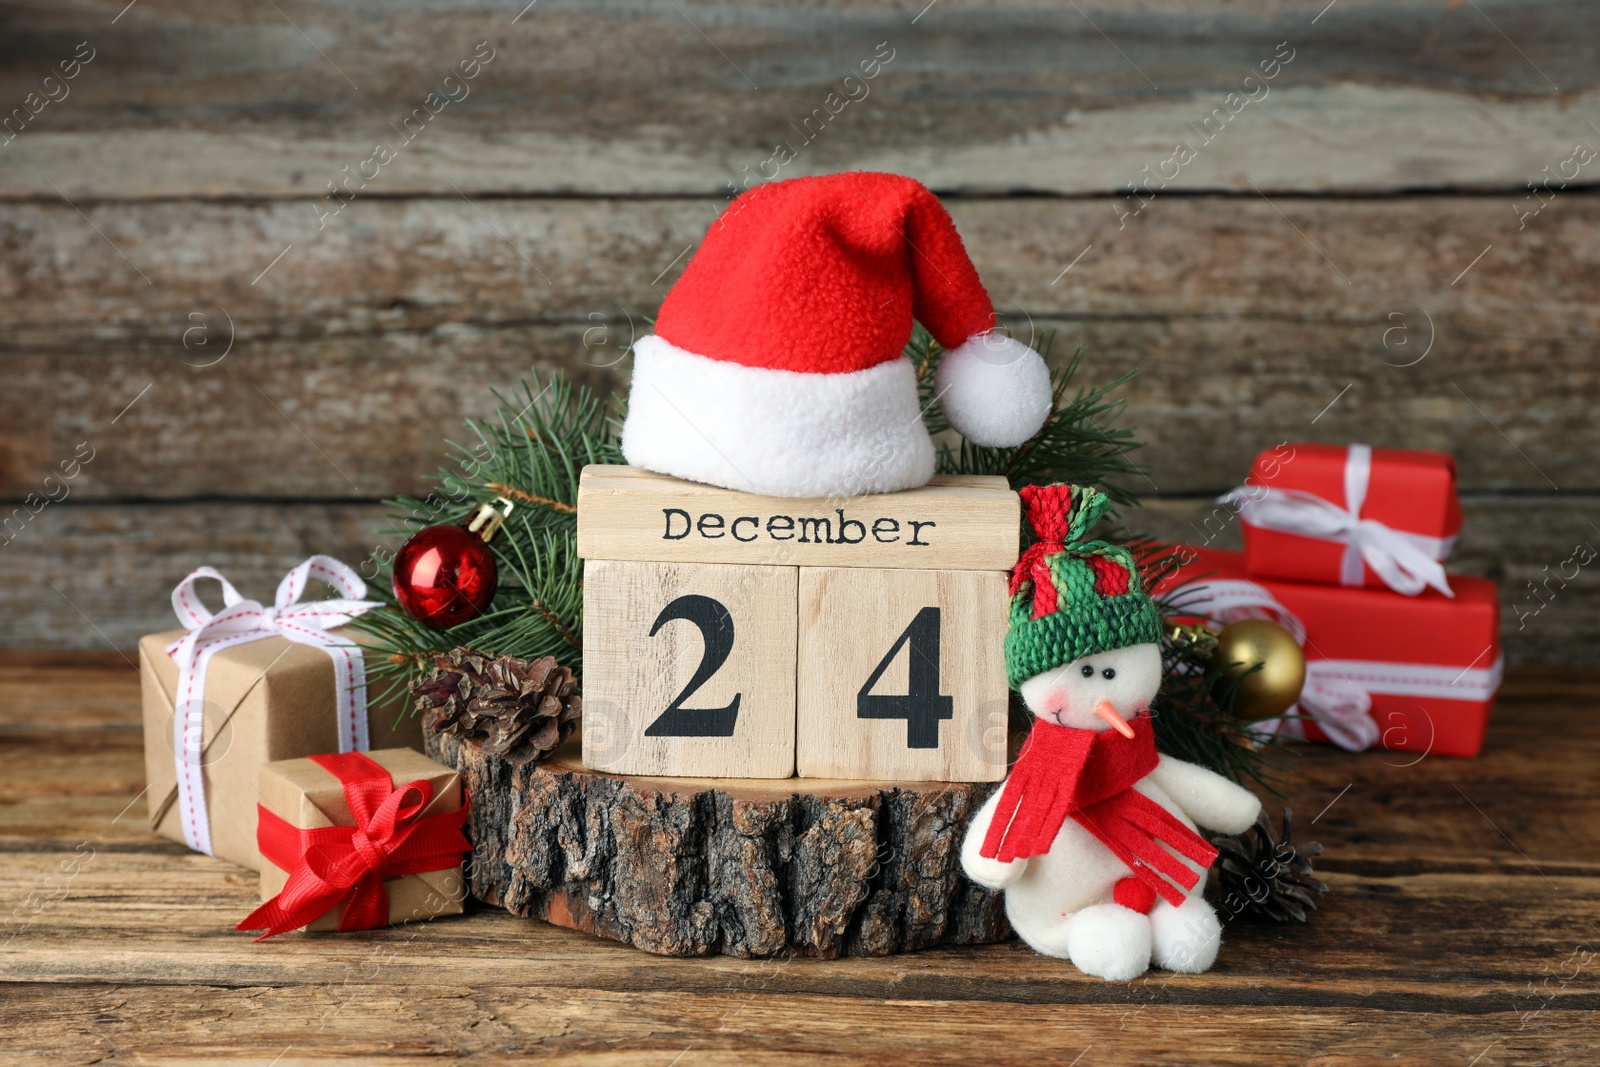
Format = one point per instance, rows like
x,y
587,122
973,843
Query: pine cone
x,y
508,702
1264,878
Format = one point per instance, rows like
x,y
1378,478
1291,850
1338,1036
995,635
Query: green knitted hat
x,y
1070,597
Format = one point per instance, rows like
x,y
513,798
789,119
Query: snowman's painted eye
x,y
1108,674
1088,670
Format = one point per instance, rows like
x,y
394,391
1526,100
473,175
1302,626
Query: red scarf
x,y
1090,776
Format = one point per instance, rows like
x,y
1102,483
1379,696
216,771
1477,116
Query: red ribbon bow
x,y
1050,514
333,864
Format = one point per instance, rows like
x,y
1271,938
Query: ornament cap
x,y
487,522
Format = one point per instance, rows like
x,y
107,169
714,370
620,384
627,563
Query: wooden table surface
x,y
1461,930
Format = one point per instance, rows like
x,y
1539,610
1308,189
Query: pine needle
x,y
532,452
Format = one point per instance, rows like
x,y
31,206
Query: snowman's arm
x,y
989,873
1206,797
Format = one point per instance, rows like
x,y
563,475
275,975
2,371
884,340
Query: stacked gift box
x,y
261,750
1344,546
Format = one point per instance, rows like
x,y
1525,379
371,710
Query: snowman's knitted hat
x,y
1071,597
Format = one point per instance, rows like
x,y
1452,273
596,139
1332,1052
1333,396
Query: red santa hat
x,y
776,364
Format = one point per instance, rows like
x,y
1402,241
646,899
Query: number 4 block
x,y
902,675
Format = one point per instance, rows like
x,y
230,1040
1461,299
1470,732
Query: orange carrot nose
x,y
1109,714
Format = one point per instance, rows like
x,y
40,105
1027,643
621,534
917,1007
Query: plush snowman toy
x,y
1093,836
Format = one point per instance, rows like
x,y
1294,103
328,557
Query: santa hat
x,y
776,364
1071,597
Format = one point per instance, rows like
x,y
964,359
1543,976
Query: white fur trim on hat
x,y
775,432
994,389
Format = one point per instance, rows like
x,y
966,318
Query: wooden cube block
x,y
688,669
902,675
955,522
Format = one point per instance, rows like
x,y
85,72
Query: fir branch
x,y
502,489
532,451
1195,718
555,620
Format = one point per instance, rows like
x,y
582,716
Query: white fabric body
x,y
241,621
1406,562
1338,692
775,432
1061,903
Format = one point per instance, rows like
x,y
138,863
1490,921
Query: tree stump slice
x,y
744,867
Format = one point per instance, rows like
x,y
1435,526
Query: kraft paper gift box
x,y
1430,664
308,796
269,699
1352,490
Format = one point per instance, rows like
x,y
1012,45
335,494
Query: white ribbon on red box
x,y
240,622
1338,692
1407,562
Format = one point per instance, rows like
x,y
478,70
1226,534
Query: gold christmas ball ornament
x,y
1272,690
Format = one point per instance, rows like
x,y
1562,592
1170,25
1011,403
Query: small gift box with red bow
x,y
1413,673
1350,515
251,683
356,841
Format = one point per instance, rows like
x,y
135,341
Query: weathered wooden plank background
x,y
1353,253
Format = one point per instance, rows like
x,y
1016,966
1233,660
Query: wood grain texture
x,y
734,865
1442,938
854,623
1376,201
955,522
688,669
642,96
355,357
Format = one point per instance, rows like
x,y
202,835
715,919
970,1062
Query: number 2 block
x,y
902,675
689,669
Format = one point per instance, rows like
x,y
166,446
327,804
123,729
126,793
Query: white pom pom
x,y
994,389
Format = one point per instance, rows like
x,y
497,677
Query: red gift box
x,y
1350,515
1412,673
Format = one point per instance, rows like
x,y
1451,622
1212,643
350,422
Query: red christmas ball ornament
x,y
445,575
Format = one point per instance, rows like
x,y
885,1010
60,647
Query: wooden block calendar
x,y
738,636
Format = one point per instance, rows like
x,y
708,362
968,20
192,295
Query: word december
x,y
810,530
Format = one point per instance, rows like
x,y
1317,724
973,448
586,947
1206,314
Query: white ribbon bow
x,y
241,621
1407,562
1338,692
